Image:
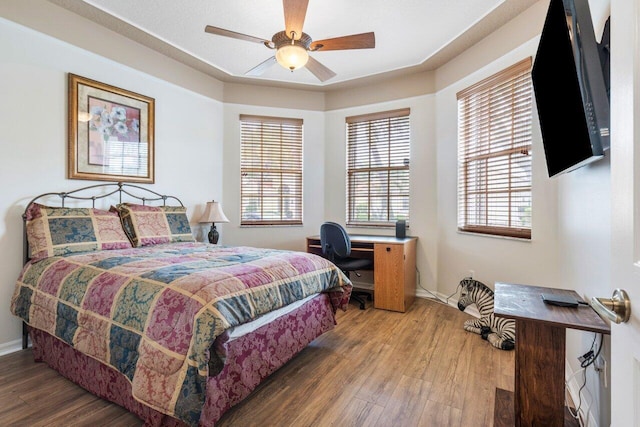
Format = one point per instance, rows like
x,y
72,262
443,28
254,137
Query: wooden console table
x,y
539,390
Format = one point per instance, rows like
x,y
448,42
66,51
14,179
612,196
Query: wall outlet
x,y
600,366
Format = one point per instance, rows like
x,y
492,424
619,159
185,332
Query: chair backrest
x,y
334,240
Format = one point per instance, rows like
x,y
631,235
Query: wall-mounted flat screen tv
x,y
570,81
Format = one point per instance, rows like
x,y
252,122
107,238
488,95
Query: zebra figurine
x,y
500,332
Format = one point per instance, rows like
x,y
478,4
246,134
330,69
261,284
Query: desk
x,y
539,390
394,267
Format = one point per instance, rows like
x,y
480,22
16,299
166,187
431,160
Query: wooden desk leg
x,y
539,382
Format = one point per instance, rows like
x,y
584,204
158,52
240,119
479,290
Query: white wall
x,y
423,169
198,152
33,141
313,167
570,244
492,259
584,239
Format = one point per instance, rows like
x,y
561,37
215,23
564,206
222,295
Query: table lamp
x,y
213,213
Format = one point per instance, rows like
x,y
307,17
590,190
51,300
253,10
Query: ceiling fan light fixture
x,y
292,56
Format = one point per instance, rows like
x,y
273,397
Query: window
x,y
494,154
378,168
271,171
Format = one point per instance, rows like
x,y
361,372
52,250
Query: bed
x,y
124,302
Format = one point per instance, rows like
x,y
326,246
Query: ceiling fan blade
x,y
233,34
261,67
294,14
355,41
319,70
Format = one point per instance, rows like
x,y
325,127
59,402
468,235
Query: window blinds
x,y
271,170
494,154
378,149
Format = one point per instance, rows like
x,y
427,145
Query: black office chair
x,y
336,247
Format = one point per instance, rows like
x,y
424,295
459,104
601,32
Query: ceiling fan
x,y
293,46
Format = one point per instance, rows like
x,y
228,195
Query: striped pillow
x,y
152,225
54,231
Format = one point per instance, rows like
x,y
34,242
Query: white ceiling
x,y
411,35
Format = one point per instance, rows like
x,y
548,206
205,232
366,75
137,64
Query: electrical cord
x,y
586,360
589,357
437,298
576,415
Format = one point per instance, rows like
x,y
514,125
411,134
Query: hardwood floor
x,y
376,368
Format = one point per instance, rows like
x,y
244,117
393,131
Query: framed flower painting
x,y
111,133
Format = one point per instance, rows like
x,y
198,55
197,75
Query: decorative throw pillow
x,y
53,231
152,225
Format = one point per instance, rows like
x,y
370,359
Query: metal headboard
x,y
96,192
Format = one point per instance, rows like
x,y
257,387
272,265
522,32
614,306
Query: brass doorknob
x,y
617,308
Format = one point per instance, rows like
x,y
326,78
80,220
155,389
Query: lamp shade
x,y
213,213
292,56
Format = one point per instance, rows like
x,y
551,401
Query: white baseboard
x,y
10,347
452,302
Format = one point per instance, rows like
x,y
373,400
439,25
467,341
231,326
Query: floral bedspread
x,y
154,312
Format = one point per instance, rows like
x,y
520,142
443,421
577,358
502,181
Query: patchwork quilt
x,y
154,312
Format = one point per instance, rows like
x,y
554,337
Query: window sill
x,y
494,236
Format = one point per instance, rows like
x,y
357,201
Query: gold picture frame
x,y
111,133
